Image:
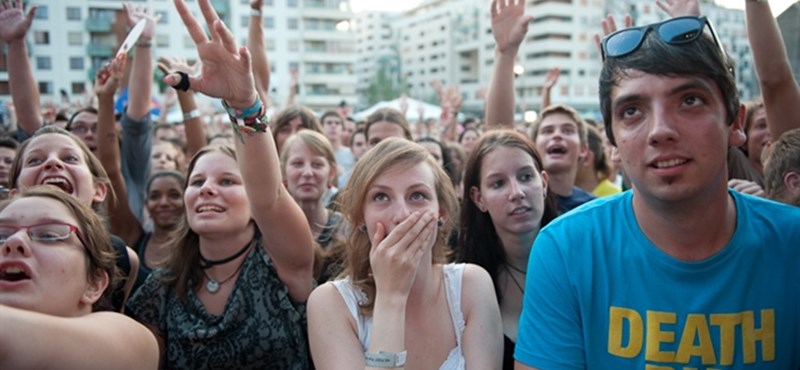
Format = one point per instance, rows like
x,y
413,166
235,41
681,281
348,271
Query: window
x,y
5,89
164,16
75,38
294,45
78,88
292,23
45,88
245,20
41,12
41,37
162,41
269,44
269,23
73,13
291,3
269,3
76,63
44,63
294,66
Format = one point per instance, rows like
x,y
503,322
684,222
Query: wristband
x,y
385,359
243,113
144,43
255,12
191,114
250,125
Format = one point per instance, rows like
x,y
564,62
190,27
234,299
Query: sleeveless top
x,y
261,327
452,283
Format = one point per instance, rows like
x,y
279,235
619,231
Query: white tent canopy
x,y
431,111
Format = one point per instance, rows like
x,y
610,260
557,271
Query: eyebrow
x,y
36,221
693,84
525,167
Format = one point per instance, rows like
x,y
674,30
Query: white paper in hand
x,y
132,37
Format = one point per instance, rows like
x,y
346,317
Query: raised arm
x,y
141,78
226,73
778,87
509,26
115,341
258,51
14,24
122,219
549,81
192,118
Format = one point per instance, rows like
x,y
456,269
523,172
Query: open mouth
x,y
60,183
519,211
13,274
670,163
557,149
207,209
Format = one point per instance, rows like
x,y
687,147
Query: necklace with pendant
x,y
212,285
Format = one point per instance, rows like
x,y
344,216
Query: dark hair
x,y
447,162
7,142
332,113
389,115
479,242
166,173
283,118
91,110
466,129
601,167
699,58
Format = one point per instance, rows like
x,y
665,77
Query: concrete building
x,y
70,39
789,24
377,48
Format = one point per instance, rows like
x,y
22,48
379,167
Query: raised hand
x,y
609,25
225,71
747,187
171,64
135,13
109,76
509,24
551,78
679,8
256,4
395,257
14,23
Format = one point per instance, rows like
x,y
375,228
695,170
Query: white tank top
x,y
452,284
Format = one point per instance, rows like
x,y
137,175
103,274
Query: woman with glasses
x,y
56,273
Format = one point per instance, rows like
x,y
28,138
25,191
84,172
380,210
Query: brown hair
x,y
563,109
315,142
388,115
101,257
782,158
389,154
99,174
310,121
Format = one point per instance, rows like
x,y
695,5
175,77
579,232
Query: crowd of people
x,y
665,236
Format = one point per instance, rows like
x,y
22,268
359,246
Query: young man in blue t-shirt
x,y
680,272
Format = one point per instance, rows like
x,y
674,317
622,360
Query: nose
x,y
53,162
17,243
662,128
517,192
207,189
400,212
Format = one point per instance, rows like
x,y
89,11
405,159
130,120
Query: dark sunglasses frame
x,y
690,34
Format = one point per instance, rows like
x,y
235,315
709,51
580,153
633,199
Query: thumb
x,y
174,79
244,54
31,13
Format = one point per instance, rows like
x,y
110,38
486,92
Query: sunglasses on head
x,y
674,31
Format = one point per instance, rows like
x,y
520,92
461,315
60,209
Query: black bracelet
x,y
183,84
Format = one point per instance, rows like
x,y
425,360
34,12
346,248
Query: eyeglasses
x,y
45,232
674,31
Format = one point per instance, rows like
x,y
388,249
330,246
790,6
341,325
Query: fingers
x,y
192,26
495,8
226,37
379,234
208,13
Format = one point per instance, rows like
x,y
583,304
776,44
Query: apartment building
x,y
70,39
377,48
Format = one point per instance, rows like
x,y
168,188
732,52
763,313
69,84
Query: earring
x,y
363,228
440,223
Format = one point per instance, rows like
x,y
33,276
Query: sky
x,y
778,6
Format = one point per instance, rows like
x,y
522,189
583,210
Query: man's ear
x,y
737,137
477,198
792,181
13,193
95,288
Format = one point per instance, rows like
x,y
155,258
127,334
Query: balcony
x,y
98,25
91,73
97,49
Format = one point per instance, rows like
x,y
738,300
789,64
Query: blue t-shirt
x,y
600,295
574,200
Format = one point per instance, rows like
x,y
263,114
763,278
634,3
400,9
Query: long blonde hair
x,y
389,154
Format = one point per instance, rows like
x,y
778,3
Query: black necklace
x,y
206,263
516,269
519,286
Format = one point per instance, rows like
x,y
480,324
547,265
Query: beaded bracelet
x,y
250,125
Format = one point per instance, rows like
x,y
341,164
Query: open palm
x,y
509,23
14,24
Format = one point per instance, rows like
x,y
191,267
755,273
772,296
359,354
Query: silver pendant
x,y
212,286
